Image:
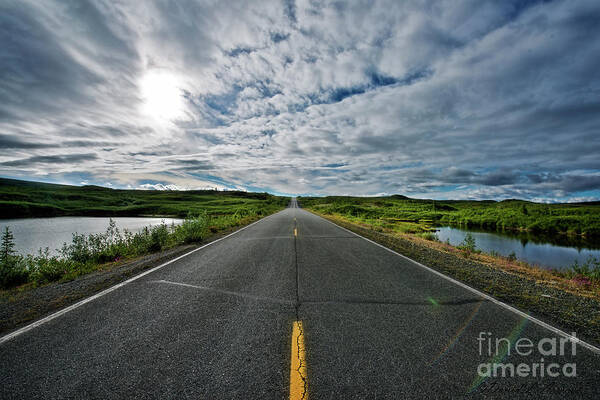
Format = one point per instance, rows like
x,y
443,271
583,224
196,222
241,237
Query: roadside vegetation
x,y
415,219
206,213
401,214
570,299
87,253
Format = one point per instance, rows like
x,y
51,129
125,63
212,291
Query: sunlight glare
x,y
162,96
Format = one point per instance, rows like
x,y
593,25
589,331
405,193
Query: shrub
x,y
159,235
589,269
468,243
78,250
13,272
44,268
430,236
193,229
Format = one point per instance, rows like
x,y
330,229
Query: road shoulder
x,y
20,306
568,311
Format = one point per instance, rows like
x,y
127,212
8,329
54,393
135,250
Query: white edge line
x,y
541,323
72,307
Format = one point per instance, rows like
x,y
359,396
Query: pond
x,y
557,251
32,234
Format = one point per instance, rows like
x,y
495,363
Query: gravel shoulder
x,y
564,309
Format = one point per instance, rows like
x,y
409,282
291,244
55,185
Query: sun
x,y
162,96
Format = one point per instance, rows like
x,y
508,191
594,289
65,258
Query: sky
x,y
460,99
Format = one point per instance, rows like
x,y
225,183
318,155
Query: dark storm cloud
x,y
569,183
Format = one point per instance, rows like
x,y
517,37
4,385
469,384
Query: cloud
x,y
12,142
53,159
455,99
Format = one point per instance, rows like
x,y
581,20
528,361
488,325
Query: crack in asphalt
x,y
301,362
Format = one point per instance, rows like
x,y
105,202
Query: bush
x,y
13,272
193,229
44,268
468,244
430,236
78,250
589,269
159,235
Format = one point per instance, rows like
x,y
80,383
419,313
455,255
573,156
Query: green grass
x,y
403,215
205,212
34,199
414,215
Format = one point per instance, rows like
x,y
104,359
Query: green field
x,y
413,215
34,199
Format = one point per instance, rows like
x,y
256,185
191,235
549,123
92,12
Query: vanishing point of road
x,y
291,306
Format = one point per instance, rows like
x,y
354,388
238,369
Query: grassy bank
x,y
34,199
402,214
565,299
206,213
396,215
87,253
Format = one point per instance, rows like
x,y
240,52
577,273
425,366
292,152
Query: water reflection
x,y
555,251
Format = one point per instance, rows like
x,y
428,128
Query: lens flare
x,y
454,339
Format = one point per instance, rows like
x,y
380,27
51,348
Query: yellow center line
x,y
298,376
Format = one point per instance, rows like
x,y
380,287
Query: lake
x,y
556,251
32,234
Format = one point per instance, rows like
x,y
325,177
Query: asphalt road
x,y
218,324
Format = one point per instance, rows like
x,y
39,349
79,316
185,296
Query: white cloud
x,y
464,99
